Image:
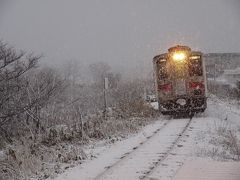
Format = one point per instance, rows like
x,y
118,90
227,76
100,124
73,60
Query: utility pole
x,y
105,97
215,78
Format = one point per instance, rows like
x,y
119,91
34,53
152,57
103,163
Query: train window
x,y
195,67
180,70
162,66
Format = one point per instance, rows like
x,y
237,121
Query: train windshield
x,y
162,66
195,66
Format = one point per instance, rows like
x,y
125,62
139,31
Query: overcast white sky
x,y
119,31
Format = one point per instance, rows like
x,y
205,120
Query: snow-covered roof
x,y
232,71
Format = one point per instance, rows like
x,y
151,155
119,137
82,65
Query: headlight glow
x,y
195,57
179,56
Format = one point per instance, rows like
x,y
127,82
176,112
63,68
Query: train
x,y
180,81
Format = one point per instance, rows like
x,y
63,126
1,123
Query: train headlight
x,y
179,56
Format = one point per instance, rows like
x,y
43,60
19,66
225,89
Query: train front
x,y
181,81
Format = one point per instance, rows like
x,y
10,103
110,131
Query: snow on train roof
x,y
232,71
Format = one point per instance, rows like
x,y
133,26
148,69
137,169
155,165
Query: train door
x,y
179,77
179,60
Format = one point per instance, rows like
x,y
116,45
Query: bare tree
x,y
13,65
23,92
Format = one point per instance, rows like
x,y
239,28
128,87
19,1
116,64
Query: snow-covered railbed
x,y
160,149
184,150
109,154
135,157
144,159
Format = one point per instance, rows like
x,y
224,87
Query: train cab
x,y
180,81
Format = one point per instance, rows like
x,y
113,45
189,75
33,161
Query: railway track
x,y
126,155
142,161
149,173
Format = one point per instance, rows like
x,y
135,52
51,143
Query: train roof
x,y
197,52
165,54
179,47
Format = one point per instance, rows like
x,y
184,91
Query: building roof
x,y
232,71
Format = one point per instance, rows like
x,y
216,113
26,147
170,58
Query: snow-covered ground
x,y
154,105
108,154
161,148
209,170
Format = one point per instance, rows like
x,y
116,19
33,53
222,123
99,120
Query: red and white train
x,y
180,81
